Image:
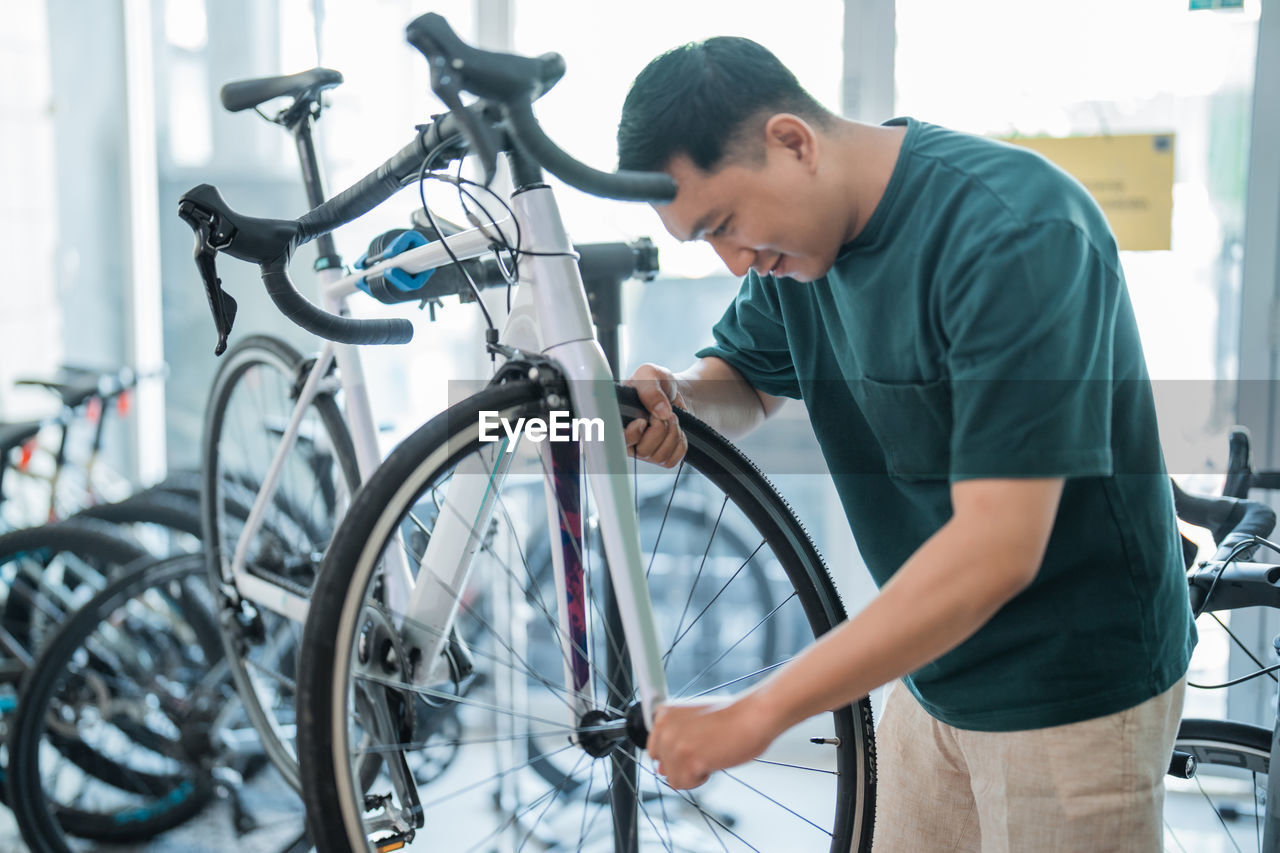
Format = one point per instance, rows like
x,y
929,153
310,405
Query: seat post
x,y
301,129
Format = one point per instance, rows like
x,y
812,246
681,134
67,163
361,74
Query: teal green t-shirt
x,y
979,326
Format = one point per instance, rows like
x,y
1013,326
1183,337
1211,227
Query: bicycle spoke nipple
x,y
832,741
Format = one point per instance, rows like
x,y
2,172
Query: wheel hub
x,y
599,732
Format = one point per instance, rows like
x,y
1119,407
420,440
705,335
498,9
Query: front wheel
x,y
366,725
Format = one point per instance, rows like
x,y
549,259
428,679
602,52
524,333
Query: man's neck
x,y
865,156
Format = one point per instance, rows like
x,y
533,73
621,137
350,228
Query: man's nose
x,y
737,258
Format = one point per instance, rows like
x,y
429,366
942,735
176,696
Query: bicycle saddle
x,y
73,393
244,94
12,435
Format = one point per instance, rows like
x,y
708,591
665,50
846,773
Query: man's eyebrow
x,y
702,225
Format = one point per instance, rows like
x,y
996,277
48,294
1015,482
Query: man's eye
x,y
718,231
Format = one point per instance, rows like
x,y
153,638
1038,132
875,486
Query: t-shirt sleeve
x,y
1030,324
750,336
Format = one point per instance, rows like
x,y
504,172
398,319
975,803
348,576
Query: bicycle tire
x,y
265,371
152,507
337,626
137,613
85,551
1224,798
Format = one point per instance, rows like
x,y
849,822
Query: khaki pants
x,y
1092,786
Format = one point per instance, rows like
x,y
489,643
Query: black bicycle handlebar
x,y
507,85
655,187
270,243
1234,523
1231,521
516,82
443,136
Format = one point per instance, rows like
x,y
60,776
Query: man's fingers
x,y
634,431
655,400
672,448
652,439
656,387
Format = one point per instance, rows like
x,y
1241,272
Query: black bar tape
x,y
343,330
377,186
1231,520
1259,520
653,187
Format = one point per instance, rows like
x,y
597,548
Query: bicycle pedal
x,y
396,842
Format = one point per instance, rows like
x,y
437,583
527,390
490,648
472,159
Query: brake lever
x,y
209,239
444,82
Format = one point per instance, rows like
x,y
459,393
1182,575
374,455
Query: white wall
x,y
30,330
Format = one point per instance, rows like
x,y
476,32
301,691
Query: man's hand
x,y
658,439
690,742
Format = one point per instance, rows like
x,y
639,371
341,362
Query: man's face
x,y
768,216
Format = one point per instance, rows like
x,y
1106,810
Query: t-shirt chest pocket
x,y
912,421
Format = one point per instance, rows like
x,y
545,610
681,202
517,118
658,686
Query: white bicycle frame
x,y
549,315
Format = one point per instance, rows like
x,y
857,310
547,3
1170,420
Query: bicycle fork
x,y
461,528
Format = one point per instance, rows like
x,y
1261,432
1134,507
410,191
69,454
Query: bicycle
x,y
385,650
1237,756
85,396
288,438
128,724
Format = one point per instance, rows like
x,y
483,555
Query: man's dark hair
x,y
698,98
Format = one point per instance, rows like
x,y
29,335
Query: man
x,y
953,313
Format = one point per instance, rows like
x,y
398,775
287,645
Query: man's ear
x,y
792,134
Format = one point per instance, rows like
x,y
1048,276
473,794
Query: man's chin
x,y
801,275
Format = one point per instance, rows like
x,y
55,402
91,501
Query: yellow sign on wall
x,y
1130,176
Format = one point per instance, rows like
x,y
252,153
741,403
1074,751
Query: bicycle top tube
x,y
501,120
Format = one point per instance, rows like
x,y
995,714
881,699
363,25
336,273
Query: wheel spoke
x,y
696,577
550,803
770,668
448,697
665,514
780,805
713,600
735,644
640,806
512,820
795,766
689,798
1218,815
457,792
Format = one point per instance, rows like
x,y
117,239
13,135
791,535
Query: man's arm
x,y
988,552
710,389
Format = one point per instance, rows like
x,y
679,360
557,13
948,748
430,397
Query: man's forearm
x,y
717,394
940,597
